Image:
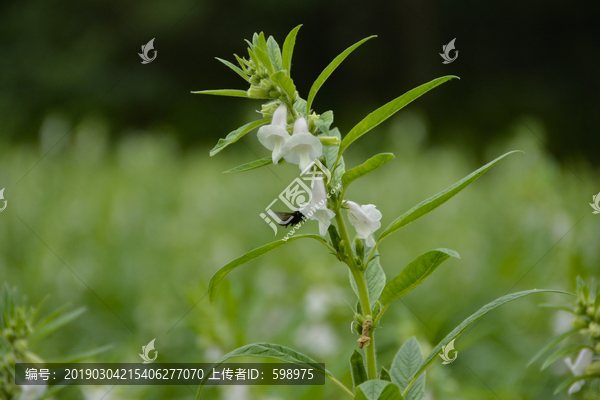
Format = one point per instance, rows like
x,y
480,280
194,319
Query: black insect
x,y
288,219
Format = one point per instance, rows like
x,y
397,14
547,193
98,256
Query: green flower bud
x,y
254,80
335,237
266,84
360,249
274,94
581,322
342,247
592,369
20,345
594,330
579,309
591,311
257,92
329,140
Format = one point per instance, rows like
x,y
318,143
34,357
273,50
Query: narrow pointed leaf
x,y
563,352
236,69
368,166
389,109
56,323
251,255
572,380
357,369
274,53
434,202
285,83
375,277
553,343
384,375
227,92
377,389
414,274
288,49
264,59
82,356
262,42
405,364
329,70
469,321
263,162
237,134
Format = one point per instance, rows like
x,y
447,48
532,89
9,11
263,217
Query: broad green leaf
x,y
56,323
357,369
264,59
255,40
330,153
405,364
251,255
377,389
263,162
237,134
82,356
469,321
285,83
563,352
384,375
262,42
227,92
329,70
572,380
288,49
274,53
324,122
300,106
236,69
434,202
389,109
414,274
553,343
368,166
375,278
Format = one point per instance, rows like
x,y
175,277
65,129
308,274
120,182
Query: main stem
x,y
363,294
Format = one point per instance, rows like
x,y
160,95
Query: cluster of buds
x,y
587,311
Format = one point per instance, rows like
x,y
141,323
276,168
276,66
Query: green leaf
x,y
389,109
264,59
572,380
414,274
237,134
263,162
324,122
288,49
236,69
377,389
375,278
563,352
300,106
56,323
274,54
82,356
227,92
405,364
329,70
434,202
384,375
553,343
251,255
262,42
357,369
469,321
285,83
368,166
339,172
330,153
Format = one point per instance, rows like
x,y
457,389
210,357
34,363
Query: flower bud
x,y
257,92
581,322
329,140
591,311
360,249
593,368
594,330
335,237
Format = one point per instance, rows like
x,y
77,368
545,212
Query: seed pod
x,y
360,249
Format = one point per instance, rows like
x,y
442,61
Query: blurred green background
x,y
114,204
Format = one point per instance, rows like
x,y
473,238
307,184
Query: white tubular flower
x,y
302,148
274,135
365,219
583,360
317,209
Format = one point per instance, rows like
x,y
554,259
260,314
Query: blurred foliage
x,y
80,58
134,229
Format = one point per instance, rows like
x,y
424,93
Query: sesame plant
x,y
297,134
585,336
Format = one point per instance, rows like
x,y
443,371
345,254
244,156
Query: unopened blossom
x,y
302,148
275,135
317,208
583,360
365,219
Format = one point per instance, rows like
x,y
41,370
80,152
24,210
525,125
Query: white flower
x,y
302,148
583,360
365,219
317,208
275,135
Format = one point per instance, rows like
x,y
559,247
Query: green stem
x,y
363,294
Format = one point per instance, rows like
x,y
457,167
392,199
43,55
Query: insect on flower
x,y
288,219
